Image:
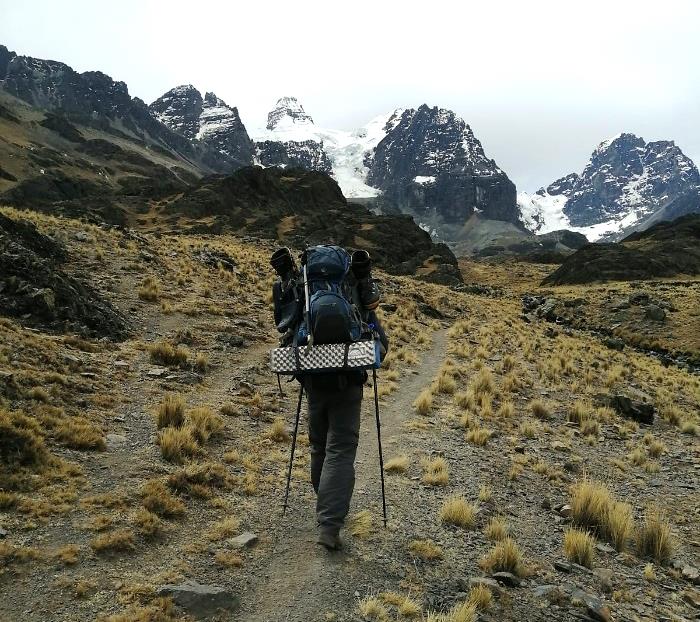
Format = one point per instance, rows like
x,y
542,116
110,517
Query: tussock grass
x,y
167,354
371,608
506,410
397,464
478,436
229,410
481,597
149,290
120,540
482,383
465,400
456,510
654,538
540,409
68,554
177,444
579,547
199,479
204,423
228,559
201,362
462,612
158,499
406,607
496,529
171,411
361,524
426,550
21,441
277,431
505,556
424,402
147,523
435,472
593,506
223,529
485,493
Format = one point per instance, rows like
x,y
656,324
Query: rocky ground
x,y
131,469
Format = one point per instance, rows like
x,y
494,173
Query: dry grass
x,y
654,538
496,529
485,493
593,506
579,546
397,464
361,525
426,550
147,523
223,529
505,556
371,608
424,402
456,510
203,423
21,441
171,411
461,612
177,444
481,597
435,472
201,362
277,431
149,290
120,540
228,559
167,354
68,554
483,383
158,499
540,409
478,436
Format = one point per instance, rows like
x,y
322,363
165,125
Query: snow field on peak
x,y
346,149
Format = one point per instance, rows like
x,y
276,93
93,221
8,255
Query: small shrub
x,y
159,500
478,436
539,409
176,444
149,290
480,596
21,443
203,423
278,431
371,608
148,523
68,554
223,529
167,354
201,362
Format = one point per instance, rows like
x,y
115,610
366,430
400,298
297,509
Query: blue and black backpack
x,y
333,317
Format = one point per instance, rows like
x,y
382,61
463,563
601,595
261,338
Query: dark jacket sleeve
x,y
384,340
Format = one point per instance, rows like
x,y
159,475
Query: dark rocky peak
x,y
287,111
626,174
563,185
180,109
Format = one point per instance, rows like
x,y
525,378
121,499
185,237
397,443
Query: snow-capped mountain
x,y
626,185
291,138
206,119
431,165
426,161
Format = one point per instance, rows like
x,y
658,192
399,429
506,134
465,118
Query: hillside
x,y
130,466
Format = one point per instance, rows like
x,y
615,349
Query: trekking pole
x,y
379,442
294,444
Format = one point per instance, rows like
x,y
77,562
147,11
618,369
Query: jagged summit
x,y
287,111
208,119
626,181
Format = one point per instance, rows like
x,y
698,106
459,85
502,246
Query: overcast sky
x,y
541,83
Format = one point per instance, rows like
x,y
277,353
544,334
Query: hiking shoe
x,y
330,540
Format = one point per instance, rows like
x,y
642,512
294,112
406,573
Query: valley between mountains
x,y
138,461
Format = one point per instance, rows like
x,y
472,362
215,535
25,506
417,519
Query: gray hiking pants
x,y
334,431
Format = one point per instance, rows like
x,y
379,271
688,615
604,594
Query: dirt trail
x,y
302,582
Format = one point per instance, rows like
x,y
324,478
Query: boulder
x,y
200,600
654,313
632,409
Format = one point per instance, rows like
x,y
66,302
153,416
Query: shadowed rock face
x,y
297,207
431,165
33,286
667,249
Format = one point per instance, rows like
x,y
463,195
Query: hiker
x,y
343,298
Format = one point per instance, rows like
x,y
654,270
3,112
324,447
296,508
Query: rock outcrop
x,y
666,249
297,207
33,286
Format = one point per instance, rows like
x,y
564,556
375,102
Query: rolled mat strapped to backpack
x,y
325,358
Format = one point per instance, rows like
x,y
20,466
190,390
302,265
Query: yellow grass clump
x,y
505,556
361,524
654,538
435,472
424,402
496,529
579,546
426,550
397,464
456,510
171,411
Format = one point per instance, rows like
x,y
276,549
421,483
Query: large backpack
x,y
332,318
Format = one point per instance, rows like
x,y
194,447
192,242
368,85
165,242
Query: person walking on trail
x,y
334,398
